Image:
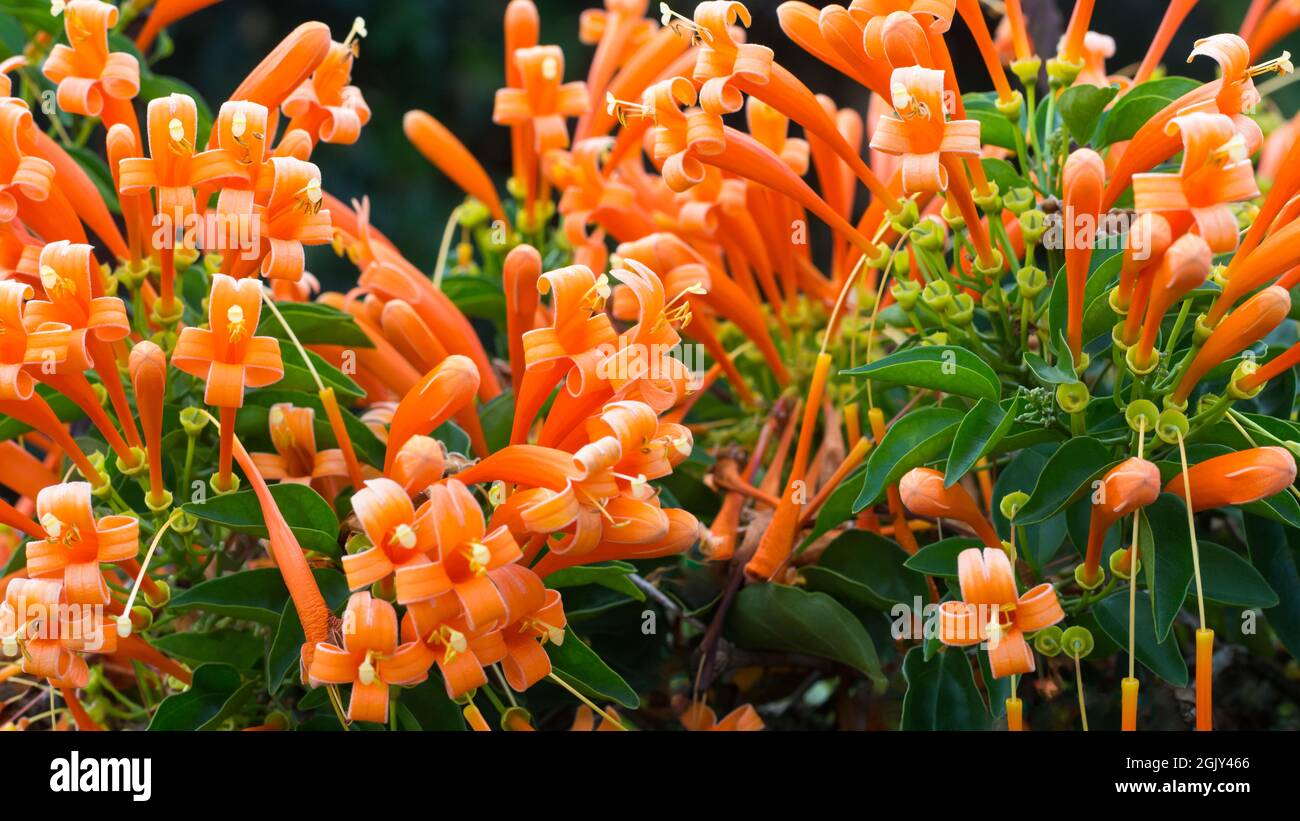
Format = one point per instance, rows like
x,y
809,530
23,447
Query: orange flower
x,y
1183,268
700,718
76,543
990,611
535,616
1282,362
440,147
1274,25
20,171
228,357
1072,43
327,106
37,619
286,67
369,642
163,14
584,720
1254,320
296,459
924,493
1175,14
1022,46
1216,170
522,268
618,32
1132,484
292,217
148,369
419,463
1236,478
834,37
445,391
543,101
86,71
401,539
921,134
1084,179
1149,238
467,552
872,13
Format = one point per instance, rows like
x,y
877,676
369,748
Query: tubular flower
x,y
924,493
1254,320
291,218
1085,178
86,71
1275,366
1072,43
76,543
242,130
544,100
148,370
920,133
467,552
296,458
617,31
535,616
440,147
369,643
20,171
327,106
1275,24
1216,170
991,611
38,620
434,633
402,539
1184,267
872,13
1130,485
700,718
1236,478
444,392
419,463
163,14
226,354
1148,240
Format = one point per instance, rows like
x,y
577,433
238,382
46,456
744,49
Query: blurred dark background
x,y
445,56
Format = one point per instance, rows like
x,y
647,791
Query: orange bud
x,y
1237,478
1148,240
148,366
1085,180
1255,319
1132,484
923,493
1185,266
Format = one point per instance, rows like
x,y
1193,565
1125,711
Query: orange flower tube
x,y
1080,22
440,147
1185,266
1255,319
523,267
438,396
1129,704
973,14
923,492
1282,362
1276,24
1236,478
1021,45
1130,485
1175,14
148,366
164,13
1148,240
1085,179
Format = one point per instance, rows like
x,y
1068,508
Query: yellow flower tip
x,y
453,639
479,557
550,68
235,316
9,646
1231,152
404,536
53,527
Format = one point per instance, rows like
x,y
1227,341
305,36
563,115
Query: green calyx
x,y
1073,397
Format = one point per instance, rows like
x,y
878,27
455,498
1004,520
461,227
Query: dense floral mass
x,y
729,401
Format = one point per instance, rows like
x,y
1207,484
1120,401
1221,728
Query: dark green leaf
x,y
1228,578
1166,558
237,647
476,297
945,368
777,617
941,693
861,568
919,437
1068,474
216,694
940,558
255,595
314,324
978,434
1160,657
579,665
613,575
1081,107
1272,552
309,516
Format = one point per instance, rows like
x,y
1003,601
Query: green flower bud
x,y
906,292
1033,224
929,235
193,420
1019,199
937,296
214,483
138,455
902,263
185,523
1083,581
1011,108
1031,281
1145,411
993,269
1141,368
164,595
1048,641
1011,504
160,505
1061,72
473,213
905,217
1073,397
881,258
962,311
954,218
1077,642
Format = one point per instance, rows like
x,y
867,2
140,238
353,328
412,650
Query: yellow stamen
x,y
310,197
1282,65
594,298
357,32
235,318
238,124
403,536
366,672
479,557
1231,152
906,105
176,134
620,109
55,284
680,23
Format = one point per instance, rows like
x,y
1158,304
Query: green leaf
x,y
862,568
1166,558
477,297
309,516
978,434
298,378
314,324
837,509
216,694
1050,375
1081,107
1067,474
613,575
919,437
1227,578
782,618
1160,657
995,128
940,558
1273,552
254,595
429,706
497,417
941,693
1141,104
579,665
945,368
1003,173
239,648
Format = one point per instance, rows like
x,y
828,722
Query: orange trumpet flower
x,y
1255,319
292,217
296,458
148,369
440,147
86,71
544,100
228,357
444,392
1184,267
872,13
467,552
402,539
76,543
522,268
51,633
21,172
535,616
923,492
1175,14
369,642
163,14
1148,240
1130,485
700,718
991,611
286,67
1236,478
921,133
1216,170
327,106
1084,180
1071,50
1284,361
